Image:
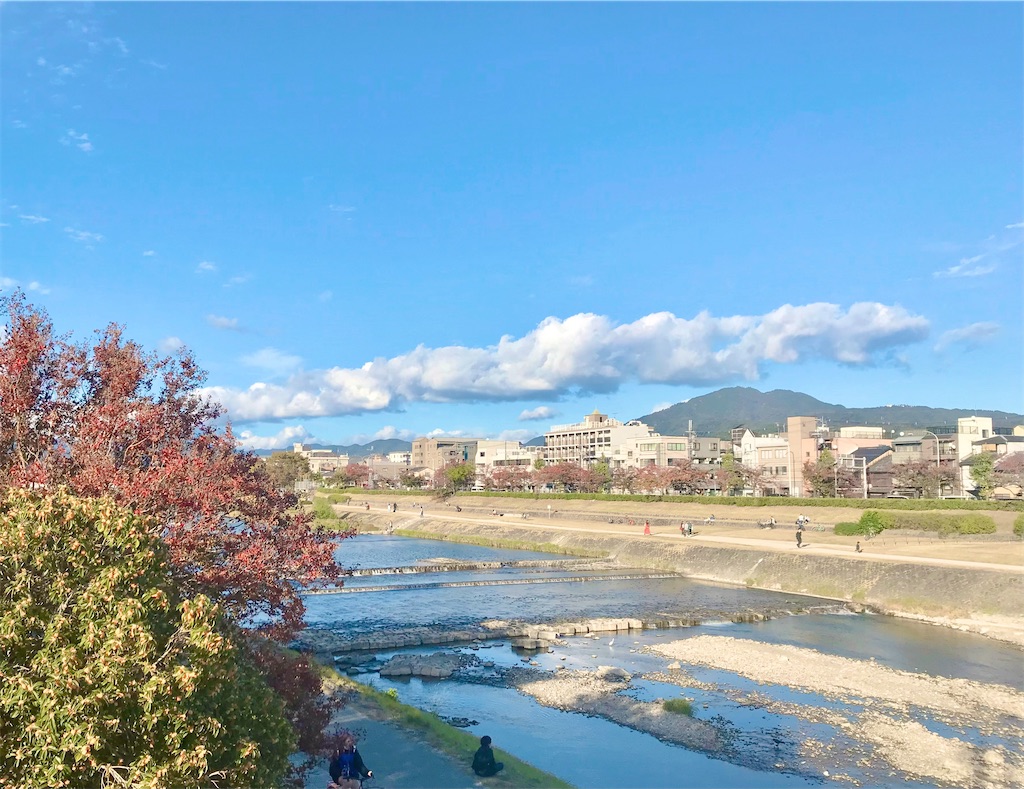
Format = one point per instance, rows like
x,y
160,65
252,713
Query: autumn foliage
x,y
109,675
108,419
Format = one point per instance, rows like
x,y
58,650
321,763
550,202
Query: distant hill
x,y
381,447
537,441
717,413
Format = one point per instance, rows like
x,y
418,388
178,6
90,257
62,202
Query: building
x,y
435,453
998,445
770,455
658,450
321,461
404,457
584,443
875,463
492,454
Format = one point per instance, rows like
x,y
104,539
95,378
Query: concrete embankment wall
x,y
985,601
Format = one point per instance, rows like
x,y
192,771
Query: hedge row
x,y
1018,525
738,501
873,522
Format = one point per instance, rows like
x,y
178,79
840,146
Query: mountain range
x,y
715,414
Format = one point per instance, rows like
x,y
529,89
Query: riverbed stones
x,y
613,674
439,665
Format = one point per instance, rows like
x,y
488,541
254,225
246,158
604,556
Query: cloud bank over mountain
x,y
588,353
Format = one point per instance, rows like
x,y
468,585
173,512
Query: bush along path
x,y
408,748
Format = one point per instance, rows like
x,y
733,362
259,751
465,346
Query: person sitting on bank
x,y
483,761
346,766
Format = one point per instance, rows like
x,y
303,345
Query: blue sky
x,y
387,220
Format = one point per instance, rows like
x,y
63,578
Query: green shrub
x,y
391,693
678,706
323,510
848,529
872,522
1018,525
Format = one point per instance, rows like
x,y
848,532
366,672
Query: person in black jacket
x,y
346,766
483,761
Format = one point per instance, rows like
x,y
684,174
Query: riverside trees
x,y
107,419
109,675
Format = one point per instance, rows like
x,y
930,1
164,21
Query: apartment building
x,y
435,453
321,461
769,453
658,450
584,443
492,454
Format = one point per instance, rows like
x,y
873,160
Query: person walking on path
x,y
483,760
799,537
689,529
682,528
858,548
647,528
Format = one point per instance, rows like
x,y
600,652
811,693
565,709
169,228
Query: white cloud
x,y
272,360
205,266
581,281
1015,226
970,336
154,64
19,124
235,281
149,253
283,439
968,267
33,219
7,283
342,209
80,141
438,432
540,412
390,431
516,435
220,322
589,353
82,236
170,344
325,295
661,407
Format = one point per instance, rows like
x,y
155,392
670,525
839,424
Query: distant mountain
x,y
537,441
382,447
717,413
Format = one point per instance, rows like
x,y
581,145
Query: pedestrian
x,y
859,549
647,528
799,537
682,528
484,764
689,529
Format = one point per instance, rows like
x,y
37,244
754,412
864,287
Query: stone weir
x,y
456,565
493,582
979,600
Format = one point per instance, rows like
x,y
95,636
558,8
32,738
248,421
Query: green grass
x,y
1018,525
678,706
459,744
872,522
495,542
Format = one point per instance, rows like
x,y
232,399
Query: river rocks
x,y
439,665
613,674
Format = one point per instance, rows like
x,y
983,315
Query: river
x,y
770,740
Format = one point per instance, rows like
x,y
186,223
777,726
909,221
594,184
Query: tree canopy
x,y
111,676
286,468
108,419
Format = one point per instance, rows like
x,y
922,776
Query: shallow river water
x,y
767,747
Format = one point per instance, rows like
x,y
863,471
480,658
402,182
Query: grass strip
x,y
459,744
497,542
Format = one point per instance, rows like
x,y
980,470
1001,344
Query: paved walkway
x,y
398,758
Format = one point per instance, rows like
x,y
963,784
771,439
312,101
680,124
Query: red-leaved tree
x,y
109,419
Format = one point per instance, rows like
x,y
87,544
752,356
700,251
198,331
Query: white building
x,y
658,450
400,457
321,461
492,454
585,443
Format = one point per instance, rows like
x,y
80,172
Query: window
x,y
766,454
696,446
677,447
780,453
713,446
